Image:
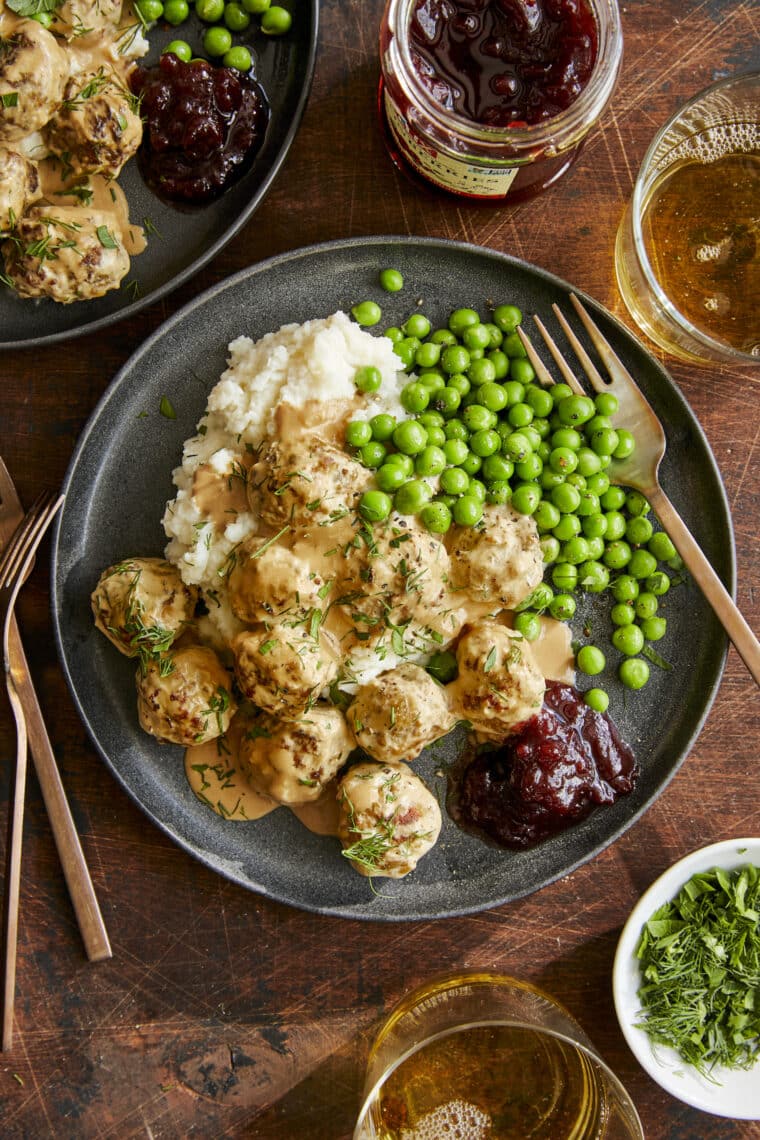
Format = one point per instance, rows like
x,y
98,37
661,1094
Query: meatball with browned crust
x,y
499,684
388,819
269,579
499,561
396,714
282,668
304,481
293,761
185,698
405,571
33,71
141,605
19,187
67,253
96,126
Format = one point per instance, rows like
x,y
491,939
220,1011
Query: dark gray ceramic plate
x,y
120,479
180,241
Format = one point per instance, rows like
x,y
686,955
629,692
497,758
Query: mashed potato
x,y
286,367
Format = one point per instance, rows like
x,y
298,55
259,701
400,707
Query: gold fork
x,y
640,470
15,564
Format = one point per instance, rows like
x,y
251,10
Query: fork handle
x,y
76,873
726,610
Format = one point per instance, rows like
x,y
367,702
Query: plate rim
x,y
190,270
330,247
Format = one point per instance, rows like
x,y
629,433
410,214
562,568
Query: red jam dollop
x,y
203,127
551,773
504,63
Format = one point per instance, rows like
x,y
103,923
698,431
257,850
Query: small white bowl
x,y
732,1093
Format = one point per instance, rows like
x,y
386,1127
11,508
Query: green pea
x,y
414,397
485,442
412,497
634,673
481,371
615,525
646,605
375,506
477,489
410,437
456,451
398,459
516,446
390,476
477,418
391,280
496,469
495,333
459,382
358,432
596,548
528,624
180,48
45,19
550,478
472,463
152,10
455,358
599,483
661,546
372,454
443,336
589,462
594,525
417,325
564,576
597,699
575,550
176,12
628,639
529,469
546,515
590,660
462,319
436,517
436,436
654,628
500,362
604,441
427,355
658,583
276,22
365,313
560,392
613,499
443,666
550,551
636,503
235,17
256,7
575,409
617,554
382,426
606,403
638,530
563,459
499,491
625,589
207,10
642,564
476,336
539,399
626,444
526,497
239,58
430,418
368,378
394,334
430,461
515,392
593,576
217,41
622,613
454,481
513,347
455,429
567,527
467,511
562,607
565,497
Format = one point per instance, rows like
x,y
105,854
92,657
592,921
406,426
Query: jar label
x,y
458,175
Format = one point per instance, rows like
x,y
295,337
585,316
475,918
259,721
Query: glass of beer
x,y
688,249
483,1056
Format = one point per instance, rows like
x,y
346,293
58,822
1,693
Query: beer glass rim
x,y
638,202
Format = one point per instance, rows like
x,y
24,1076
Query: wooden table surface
x,y
222,1013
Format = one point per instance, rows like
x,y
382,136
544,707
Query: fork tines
x,y
33,522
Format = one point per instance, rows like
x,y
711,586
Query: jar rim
x,y
581,113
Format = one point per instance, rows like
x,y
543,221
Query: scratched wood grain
x,y
222,1014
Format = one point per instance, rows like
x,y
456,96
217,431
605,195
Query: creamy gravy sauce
x,y
212,768
87,54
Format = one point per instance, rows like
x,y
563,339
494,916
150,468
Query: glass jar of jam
x,y
491,99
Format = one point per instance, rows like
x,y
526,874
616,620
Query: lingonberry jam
x,y
504,62
492,98
551,773
203,127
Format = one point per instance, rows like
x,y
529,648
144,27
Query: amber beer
x,y
485,1057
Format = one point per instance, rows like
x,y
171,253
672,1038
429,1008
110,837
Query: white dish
x,y
731,1093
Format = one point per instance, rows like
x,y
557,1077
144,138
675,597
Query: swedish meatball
x,y
19,186
303,481
499,684
405,571
283,668
34,69
67,253
388,819
268,578
397,713
185,698
498,562
293,761
141,604
96,126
